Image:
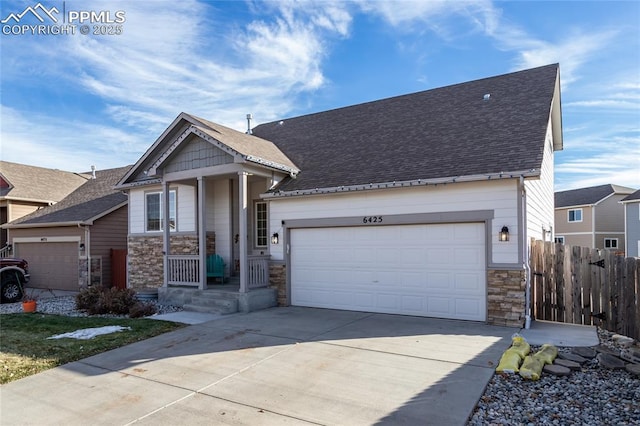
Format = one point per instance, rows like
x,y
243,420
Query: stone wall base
x,y
278,280
506,297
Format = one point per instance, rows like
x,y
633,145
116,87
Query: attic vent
x,y
486,97
93,172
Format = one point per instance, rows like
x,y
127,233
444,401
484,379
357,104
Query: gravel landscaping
x,y
592,395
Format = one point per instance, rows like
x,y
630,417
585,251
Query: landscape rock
x,y
556,370
589,353
633,369
572,357
601,349
610,361
571,365
622,341
631,355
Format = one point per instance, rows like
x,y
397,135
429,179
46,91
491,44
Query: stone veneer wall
x,y
145,263
506,297
278,280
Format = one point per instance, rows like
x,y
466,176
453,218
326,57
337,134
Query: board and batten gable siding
x,y
108,232
499,196
632,217
540,196
185,208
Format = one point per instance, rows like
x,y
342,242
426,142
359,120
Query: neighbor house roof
x,y
632,197
37,184
89,202
480,128
588,196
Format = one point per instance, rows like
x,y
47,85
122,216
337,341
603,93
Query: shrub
x,y
99,301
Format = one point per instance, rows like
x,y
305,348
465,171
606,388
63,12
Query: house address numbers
x,y
371,219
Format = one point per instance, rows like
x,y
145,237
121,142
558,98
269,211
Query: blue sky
x,y
70,101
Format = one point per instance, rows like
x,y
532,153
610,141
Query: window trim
x,y
260,224
160,193
610,240
559,239
569,215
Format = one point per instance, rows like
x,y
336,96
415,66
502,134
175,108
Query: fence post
x,y
560,284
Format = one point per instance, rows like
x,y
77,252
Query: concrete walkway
x,y
278,366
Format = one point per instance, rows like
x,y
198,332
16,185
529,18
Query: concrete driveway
x,y
278,366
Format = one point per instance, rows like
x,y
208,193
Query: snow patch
x,y
90,333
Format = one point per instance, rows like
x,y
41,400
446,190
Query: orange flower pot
x,y
29,305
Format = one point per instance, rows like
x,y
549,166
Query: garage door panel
x,y
429,270
52,264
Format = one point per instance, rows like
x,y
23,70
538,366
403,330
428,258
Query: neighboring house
x,y
72,240
393,206
631,205
25,189
591,217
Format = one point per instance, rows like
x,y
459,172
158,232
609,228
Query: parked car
x,y
14,274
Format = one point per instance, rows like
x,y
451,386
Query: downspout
x,y
525,257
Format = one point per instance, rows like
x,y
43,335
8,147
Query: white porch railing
x,y
6,251
258,271
183,270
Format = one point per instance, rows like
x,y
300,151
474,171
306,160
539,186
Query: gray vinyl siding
x,y
633,229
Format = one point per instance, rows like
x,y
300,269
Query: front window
x,y
155,211
575,215
611,243
261,224
559,240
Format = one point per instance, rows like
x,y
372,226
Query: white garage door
x,y
51,265
425,270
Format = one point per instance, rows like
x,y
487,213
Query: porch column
x,y
242,198
202,232
165,233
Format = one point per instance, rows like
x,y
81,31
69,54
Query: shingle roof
x,y
632,197
38,183
86,203
446,132
588,196
247,145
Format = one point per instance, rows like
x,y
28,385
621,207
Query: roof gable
x,y
182,146
588,196
480,128
95,198
632,197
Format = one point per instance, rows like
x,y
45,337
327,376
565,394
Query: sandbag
x,y
520,345
547,353
509,362
531,368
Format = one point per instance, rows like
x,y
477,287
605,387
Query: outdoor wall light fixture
x,y
504,234
81,246
275,238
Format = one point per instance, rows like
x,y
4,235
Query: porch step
x,y
215,302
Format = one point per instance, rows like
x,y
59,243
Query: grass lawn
x,y
25,349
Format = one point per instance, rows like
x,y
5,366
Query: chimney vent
x,y
249,117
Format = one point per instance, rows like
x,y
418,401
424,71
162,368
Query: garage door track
x,y
278,366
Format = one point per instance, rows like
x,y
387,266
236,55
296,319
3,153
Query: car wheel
x,y
11,288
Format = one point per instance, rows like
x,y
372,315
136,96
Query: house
x,y
421,204
25,189
631,205
591,217
70,244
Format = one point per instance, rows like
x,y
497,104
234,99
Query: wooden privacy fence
x,y
586,286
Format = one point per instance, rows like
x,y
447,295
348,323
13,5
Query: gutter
x,y
44,225
532,173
